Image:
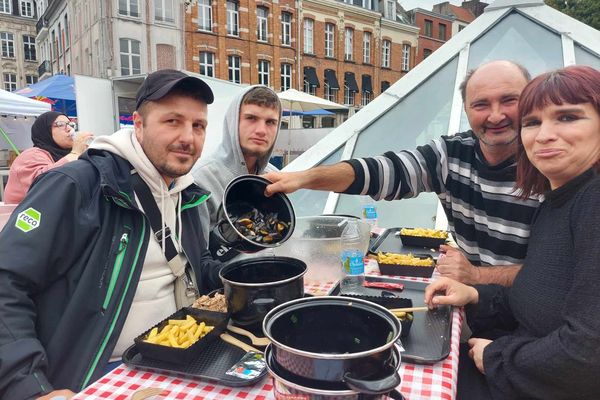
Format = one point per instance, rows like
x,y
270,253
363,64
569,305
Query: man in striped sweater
x,y
473,174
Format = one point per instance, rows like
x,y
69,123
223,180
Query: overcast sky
x,y
424,4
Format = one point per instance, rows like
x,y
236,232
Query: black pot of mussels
x,y
248,220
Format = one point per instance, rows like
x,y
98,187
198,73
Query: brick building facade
x,y
274,43
435,30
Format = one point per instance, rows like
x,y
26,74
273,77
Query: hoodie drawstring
x,y
179,224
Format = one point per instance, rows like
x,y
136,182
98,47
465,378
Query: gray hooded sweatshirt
x,y
213,173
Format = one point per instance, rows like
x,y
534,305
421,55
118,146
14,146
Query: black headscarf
x,y
41,135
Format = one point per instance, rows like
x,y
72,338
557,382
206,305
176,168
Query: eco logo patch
x,y
28,220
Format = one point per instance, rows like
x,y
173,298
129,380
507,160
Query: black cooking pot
x,y
242,195
254,286
287,385
336,339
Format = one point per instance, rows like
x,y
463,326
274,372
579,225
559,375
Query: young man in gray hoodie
x,y
250,129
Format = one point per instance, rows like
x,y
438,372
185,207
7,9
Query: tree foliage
x,y
586,11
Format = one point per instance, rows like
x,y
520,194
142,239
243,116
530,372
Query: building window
x,y
330,94
130,56
426,53
348,96
233,18
308,36
234,64
10,82
263,72
349,33
366,98
31,79
207,64
428,27
67,34
205,15
329,40
7,41
286,29
54,46
405,57
367,47
262,31
310,89
390,9
461,27
29,48
61,40
163,10
386,49
368,4
5,7
286,76
442,32
26,8
129,8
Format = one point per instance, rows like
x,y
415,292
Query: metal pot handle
x,y
217,232
263,305
379,386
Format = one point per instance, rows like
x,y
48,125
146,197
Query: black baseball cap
x,y
158,84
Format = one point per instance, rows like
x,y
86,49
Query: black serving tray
x,y
429,338
216,359
388,242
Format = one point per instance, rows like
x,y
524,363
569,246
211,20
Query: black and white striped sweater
x,y
489,222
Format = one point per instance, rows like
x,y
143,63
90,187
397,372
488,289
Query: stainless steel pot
x,y
336,339
287,385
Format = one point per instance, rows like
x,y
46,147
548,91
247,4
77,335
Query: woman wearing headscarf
x,y
53,146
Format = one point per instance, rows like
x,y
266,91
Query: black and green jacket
x,y
71,256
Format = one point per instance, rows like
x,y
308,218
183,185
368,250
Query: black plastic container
x,y
254,286
408,270
336,339
241,195
422,241
177,355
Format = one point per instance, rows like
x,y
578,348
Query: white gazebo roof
x,y
426,102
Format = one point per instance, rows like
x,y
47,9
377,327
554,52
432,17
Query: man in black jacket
x,y
81,271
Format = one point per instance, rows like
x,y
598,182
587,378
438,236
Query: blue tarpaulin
x,y
58,90
312,112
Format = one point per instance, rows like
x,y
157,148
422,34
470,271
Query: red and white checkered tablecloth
x,y
437,381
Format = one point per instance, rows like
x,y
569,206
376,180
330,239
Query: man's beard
x,y
482,138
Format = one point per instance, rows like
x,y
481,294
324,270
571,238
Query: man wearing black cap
x,y
84,268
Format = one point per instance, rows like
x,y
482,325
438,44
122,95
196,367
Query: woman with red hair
x,y
550,348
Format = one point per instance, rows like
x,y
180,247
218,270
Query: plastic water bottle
x,y
369,211
353,266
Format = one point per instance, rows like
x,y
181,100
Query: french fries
x,y
403,315
404,259
179,333
422,232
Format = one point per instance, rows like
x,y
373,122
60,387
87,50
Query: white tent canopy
x,y
13,104
296,100
17,114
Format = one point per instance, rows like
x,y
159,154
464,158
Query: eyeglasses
x,y
64,125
